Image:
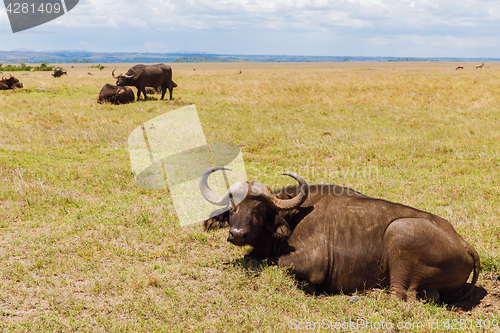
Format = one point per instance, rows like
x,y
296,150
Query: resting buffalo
x,y
58,72
10,83
116,94
142,76
339,240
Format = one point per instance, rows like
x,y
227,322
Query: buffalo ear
x,y
280,229
217,221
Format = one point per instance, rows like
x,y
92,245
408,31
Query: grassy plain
x,y
84,249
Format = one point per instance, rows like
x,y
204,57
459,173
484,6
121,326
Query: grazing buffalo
x,y
10,83
339,240
142,76
116,94
58,72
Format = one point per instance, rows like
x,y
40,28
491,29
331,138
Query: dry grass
x,y
84,249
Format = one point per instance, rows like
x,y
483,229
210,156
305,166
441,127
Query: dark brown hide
x,y
116,95
10,83
152,90
142,76
339,240
58,72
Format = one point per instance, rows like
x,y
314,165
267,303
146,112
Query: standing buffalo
x,y
58,72
116,94
10,83
339,240
142,76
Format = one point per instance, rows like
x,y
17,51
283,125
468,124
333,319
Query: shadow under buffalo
x,y
149,98
254,267
478,293
166,101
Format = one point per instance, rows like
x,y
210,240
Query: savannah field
x,y
84,249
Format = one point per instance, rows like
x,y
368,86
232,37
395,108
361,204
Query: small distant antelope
x,y
480,66
459,67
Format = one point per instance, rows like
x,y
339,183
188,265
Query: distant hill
x,y
23,50
28,56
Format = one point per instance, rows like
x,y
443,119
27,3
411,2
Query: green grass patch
x,y
84,249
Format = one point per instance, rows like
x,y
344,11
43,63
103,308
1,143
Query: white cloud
x,y
330,27
400,16
3,16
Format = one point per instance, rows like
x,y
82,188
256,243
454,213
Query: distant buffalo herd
x,y
148,79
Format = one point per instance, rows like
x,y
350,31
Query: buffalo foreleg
x,y
139,90
308,266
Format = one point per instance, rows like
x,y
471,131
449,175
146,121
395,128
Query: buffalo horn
x,y
211,196
131,75
113,73
260,190
255,189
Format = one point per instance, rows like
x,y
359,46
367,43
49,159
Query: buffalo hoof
x,y
429,294
309,288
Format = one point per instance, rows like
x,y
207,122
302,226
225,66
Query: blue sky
x,y
401,28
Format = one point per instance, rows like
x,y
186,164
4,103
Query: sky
x,y
399,28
